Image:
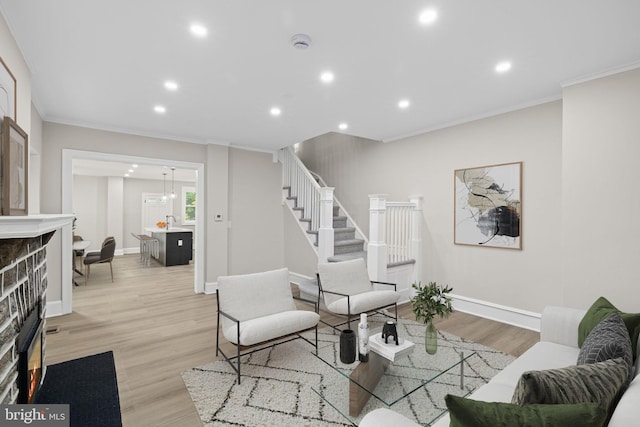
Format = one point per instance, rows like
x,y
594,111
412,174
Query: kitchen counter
x,y
176,245
164,230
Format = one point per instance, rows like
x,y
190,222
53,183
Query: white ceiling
x,y
139,171
102,64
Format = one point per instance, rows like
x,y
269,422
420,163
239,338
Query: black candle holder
x,y
389,329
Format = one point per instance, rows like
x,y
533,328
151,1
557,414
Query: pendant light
x,y
173,193
164,186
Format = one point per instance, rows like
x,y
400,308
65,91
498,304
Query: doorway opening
x,y
197,169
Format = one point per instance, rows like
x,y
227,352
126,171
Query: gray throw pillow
x,y
602,383
608,340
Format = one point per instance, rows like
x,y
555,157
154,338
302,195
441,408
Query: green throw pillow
x,y
602,383
474,413
599,311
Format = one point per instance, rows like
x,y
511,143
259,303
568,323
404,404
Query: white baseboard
x,y
500,313
127,251
54,309
297,278
210,287
509,315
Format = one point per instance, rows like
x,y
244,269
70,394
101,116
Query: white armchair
x,y
254,309
347,291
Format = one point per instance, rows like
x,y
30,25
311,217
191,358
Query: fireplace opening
x,y
30,360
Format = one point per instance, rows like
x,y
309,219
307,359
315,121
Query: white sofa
x,y
558,348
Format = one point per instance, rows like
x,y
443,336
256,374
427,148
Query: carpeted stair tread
x,y
348,242
347,257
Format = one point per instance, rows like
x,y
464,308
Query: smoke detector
x,y
301,41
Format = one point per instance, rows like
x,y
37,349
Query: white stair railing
x,y
343,211
315,200
394,235
303,186
399,232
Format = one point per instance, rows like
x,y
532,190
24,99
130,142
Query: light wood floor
x,y
157,328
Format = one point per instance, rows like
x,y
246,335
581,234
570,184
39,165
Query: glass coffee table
x,y
414,385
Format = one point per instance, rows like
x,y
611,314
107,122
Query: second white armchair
x,y
347,291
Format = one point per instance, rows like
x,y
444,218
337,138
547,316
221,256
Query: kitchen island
x,y
176,245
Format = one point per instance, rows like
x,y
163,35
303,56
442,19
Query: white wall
x,y
115,190
132,199
256,240
299,256
217,204
601,153
90,209
12,57
424,165
35,161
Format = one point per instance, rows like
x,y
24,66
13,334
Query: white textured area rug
x,y
279,385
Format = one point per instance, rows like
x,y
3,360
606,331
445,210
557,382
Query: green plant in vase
x,y
431,301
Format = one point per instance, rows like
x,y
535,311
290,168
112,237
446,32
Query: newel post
x,y
325,232
377,249
416,238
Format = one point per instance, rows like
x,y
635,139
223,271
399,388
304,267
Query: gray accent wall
x,y
424,165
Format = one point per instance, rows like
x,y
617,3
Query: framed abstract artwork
x,y
488,206
14,170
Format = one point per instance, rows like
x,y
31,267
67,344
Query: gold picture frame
x,y
14,161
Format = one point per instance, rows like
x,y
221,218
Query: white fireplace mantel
x,y
59,278
12,227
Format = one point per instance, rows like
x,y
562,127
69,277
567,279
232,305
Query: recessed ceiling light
x,y
403,104
327,77
343,126
503,67
428,16
160,109
198,30
275,111
171,85
130,170
126,175
134,165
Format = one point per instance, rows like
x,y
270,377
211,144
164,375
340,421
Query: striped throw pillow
x,y
602,383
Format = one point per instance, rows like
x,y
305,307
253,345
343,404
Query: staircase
x,y
394,242
346,244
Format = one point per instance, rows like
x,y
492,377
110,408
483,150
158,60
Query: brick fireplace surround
x,y
23,281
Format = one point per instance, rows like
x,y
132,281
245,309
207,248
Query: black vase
x,y
347,346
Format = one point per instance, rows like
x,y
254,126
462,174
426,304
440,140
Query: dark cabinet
x,y
176,248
